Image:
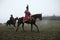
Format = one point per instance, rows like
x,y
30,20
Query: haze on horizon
x,y
17,8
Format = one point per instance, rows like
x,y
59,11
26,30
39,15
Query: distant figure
x,y
27,14
11,18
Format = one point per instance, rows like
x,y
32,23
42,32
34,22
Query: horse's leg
x,y
23,26
31,27
36,27
18,26
6,24
14,25
9,24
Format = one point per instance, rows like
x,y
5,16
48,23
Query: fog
x,y
17,8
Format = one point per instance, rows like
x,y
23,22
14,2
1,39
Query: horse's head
x,y
39,16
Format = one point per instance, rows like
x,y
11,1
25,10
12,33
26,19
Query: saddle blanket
x,y
25,18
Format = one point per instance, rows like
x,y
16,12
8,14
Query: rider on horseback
x,y
11,18
27,14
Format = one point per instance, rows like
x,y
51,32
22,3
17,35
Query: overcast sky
x,y
17,8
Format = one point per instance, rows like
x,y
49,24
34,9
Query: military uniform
x,y
27,15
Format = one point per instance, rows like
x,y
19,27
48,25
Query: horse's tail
x,y
41,17
8,22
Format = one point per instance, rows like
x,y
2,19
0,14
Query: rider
x,y
11,18
27,14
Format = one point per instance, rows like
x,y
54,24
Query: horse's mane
x,y
37,15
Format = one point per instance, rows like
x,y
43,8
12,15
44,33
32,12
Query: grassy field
x,y
49,30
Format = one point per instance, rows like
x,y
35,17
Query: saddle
x,y
25,19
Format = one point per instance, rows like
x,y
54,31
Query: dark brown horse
x,y
32,22
12,22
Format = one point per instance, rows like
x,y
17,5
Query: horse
x,y
32,22
12,22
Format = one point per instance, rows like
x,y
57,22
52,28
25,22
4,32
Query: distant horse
x,y
12,22
32,22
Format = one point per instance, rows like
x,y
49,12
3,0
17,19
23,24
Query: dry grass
x,y
49,30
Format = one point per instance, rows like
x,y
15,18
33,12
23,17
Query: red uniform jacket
x,y
27,14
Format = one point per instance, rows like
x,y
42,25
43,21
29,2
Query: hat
x,y
11,15
27,7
